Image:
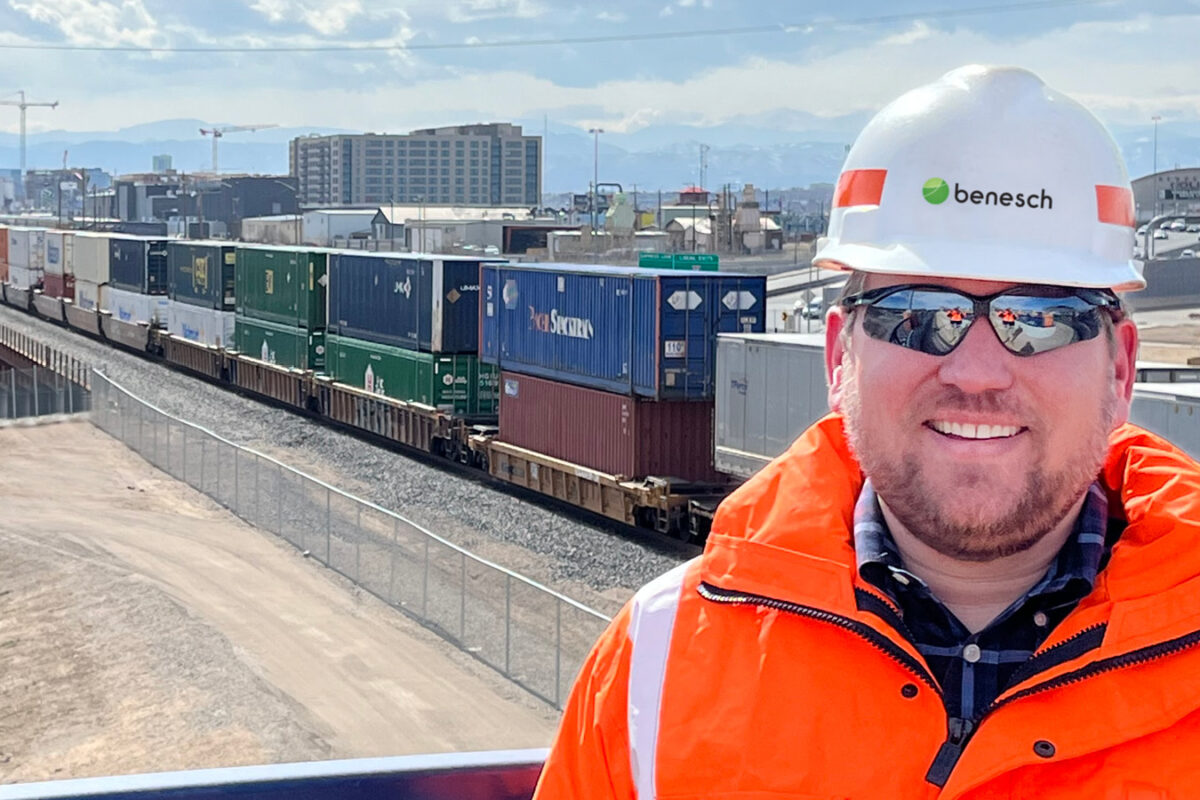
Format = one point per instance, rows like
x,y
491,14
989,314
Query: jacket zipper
x,y
873,637
950,752
959,731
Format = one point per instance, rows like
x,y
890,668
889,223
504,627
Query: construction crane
x,y
217,133
23,104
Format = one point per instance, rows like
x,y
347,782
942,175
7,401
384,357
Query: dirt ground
x,y
143,628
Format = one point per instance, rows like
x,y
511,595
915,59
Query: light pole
x,y
1154,173
595,173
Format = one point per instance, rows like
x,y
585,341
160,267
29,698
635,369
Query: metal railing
x,y
535,637
46,356
495,775
37,391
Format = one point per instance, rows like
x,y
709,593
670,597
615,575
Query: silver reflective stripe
x,y
651,621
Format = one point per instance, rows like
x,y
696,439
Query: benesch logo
x,y
560,325
936,191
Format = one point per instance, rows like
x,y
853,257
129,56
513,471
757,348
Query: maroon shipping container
x,y
613,433
59,286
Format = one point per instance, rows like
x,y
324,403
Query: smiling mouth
x,y
968,430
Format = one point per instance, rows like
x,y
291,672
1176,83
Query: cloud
x,y
473,10
87,22
612,16
326,17
1148,67
666,11
919,30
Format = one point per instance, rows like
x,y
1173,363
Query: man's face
x,y
909,418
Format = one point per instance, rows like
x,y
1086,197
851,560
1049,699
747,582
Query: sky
x,y
660,63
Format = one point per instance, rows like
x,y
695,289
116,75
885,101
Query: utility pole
x,y
703,164
595,132
23,104
1155,119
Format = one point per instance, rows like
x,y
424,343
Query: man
x,y
973,580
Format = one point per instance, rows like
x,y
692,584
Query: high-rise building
x,y
162,164
484,165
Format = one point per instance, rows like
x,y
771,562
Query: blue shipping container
x,y
202,273
621,329
138,264
427,303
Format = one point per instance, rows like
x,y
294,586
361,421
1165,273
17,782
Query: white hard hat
x,y
986,174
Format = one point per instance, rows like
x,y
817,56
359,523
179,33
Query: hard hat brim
x,y
984,261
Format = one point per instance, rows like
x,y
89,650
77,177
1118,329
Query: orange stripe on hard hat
x,y
859,187
1114,204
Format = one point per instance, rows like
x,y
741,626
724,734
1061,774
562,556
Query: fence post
x,y
558,652
12,373
507,621
184,469
462,603
257,499
36,412
425,584
328,524
203,447
279,495
392,569
358,543
237,483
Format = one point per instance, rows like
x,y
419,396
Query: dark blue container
x,y
138,264
201,273
427,303
620,329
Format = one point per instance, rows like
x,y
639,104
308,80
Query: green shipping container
x,y
285,345
459,384
282,284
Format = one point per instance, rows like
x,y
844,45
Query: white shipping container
x,y
90,257
90,296
26,248
23,277
59,259
770,387
134,307
202,325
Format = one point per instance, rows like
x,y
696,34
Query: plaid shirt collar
x,y
1080,559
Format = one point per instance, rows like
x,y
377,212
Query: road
x,y
144,628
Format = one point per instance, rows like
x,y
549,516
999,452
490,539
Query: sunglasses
x,y
1028,320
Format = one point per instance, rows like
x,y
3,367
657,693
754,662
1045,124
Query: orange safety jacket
x,y
761,670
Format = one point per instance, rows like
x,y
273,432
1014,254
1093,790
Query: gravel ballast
x,y
596,566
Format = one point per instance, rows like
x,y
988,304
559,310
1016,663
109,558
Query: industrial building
x,y
485,165
1173,191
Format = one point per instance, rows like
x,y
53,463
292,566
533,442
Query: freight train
x,y
590,385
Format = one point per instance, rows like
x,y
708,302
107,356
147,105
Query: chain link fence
x,y
535,637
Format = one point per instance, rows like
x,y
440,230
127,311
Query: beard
x,y
972,518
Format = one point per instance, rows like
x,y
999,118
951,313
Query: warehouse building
x,y
480,165
1174,192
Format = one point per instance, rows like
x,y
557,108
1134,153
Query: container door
x,y
490,306
68,256
644,354
228,286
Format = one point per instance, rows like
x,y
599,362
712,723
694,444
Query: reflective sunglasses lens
x,y
1031,325
926,320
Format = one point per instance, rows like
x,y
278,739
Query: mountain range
x,y
778,150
